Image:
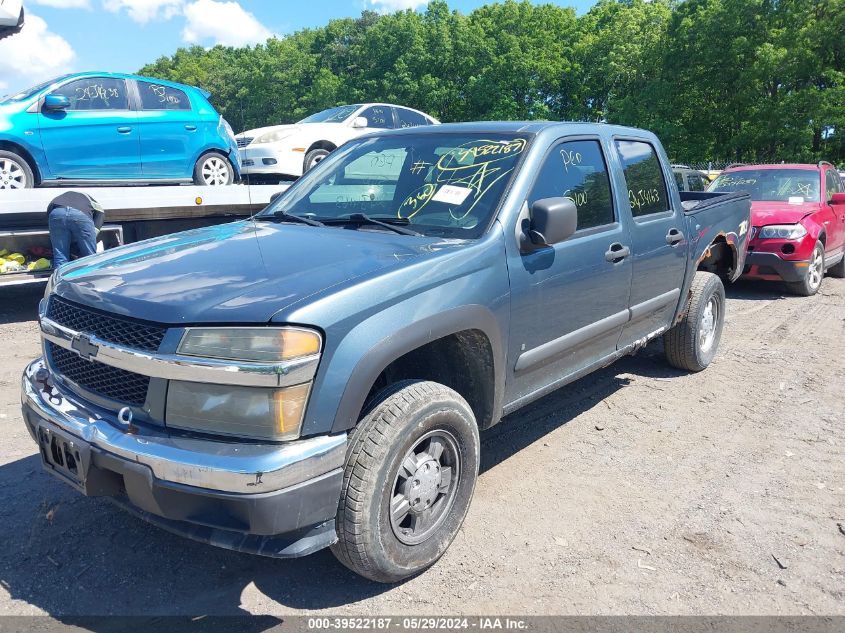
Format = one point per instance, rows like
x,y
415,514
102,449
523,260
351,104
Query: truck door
x,y
658,243
569,301
96,137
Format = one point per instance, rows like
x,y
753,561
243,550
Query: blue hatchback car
x,y
113,128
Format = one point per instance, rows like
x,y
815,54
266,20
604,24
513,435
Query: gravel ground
x,y
637,490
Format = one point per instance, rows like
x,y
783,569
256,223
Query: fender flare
x,y
406,339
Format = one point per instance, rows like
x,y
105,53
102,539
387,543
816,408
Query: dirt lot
x,y
638,490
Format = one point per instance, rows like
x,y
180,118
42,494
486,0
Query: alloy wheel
x,y
12,174
815,272
215,171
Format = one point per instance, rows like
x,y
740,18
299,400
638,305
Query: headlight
x,y
259,345
783,232
272,137
267,413
253,412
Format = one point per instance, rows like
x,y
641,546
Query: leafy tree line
x,y
727,80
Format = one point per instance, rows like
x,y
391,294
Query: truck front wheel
x,y
410,474
691,344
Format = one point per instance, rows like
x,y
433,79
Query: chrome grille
x,y
123,331
105,381
243,141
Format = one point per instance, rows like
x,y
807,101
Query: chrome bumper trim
x,y
204,463
187,368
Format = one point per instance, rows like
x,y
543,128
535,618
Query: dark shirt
x,y
80,201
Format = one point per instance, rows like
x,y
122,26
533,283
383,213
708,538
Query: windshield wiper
x,y
396,225
284,216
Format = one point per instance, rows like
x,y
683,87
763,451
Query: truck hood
x,y
765,212
242,272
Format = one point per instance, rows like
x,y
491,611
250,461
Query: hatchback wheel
x,y
15,172
213,170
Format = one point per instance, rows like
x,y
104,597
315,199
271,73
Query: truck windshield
x,y
332,115
784,185
441,184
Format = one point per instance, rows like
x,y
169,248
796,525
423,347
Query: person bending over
x,y
74,219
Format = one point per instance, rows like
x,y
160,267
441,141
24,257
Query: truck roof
x,y
505,127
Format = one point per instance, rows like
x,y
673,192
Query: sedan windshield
x,y
783,185
444,184
332,115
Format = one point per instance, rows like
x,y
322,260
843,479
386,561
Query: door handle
x,y
191,128
617,252
674,236
124,129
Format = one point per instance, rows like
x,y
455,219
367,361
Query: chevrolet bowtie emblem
x,y
83,346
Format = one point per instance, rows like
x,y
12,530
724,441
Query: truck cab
x,y
318,375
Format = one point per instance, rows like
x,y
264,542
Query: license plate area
x,y
64,455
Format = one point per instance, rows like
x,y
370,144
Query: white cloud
x,y
143,11
397,5
34,55
64,4
224,23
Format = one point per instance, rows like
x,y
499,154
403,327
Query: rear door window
x,y
409,118
159,97
644,178
380,117
95,93
577,170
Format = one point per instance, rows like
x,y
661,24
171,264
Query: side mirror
x,y
56,102
837,199
275,196
360,121
552,221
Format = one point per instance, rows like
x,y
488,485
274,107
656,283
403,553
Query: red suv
x,y
798,222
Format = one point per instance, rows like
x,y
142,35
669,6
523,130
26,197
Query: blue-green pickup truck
x,y
318,375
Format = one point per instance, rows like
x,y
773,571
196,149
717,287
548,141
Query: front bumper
x,y
266,158
271,499
770,266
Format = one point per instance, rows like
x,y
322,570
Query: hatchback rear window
x,y
159,97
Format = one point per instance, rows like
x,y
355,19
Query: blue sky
x,y
122,35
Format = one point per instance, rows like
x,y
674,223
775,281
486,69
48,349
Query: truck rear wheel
x,y
410,473
691,344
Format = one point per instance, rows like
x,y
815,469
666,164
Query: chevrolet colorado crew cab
x,y
318,375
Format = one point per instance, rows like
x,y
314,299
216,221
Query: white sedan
x,y
291,150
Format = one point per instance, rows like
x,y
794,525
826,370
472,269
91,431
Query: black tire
x,y
313,157
213,169
690,344
838,269
813,277
403,418
15,172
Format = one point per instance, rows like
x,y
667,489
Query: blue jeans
x,y
71,226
